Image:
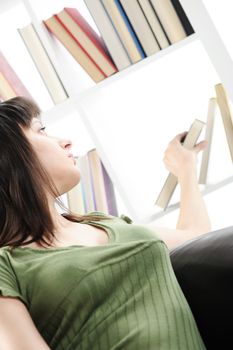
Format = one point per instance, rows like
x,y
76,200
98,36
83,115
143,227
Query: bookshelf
x,y
89,104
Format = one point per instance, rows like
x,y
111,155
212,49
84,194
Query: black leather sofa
x,y
204,269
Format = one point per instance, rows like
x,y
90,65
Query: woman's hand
x,y
179,160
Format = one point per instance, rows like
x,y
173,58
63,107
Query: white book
x,y
154,23
226,114
169,19
140,26
43,63
109,34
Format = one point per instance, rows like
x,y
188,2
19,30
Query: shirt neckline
x,y
108,229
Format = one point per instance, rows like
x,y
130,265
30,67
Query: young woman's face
x,y
55,155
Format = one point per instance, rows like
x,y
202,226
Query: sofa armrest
x,y
204,269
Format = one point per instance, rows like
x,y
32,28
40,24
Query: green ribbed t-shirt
x,y
123,295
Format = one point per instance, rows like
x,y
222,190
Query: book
x,y
85,171
169,19
95,189
208,137
55,26
140,26
171,181
154,23
97,181
183,17
109,192
43,63
12,78
226,115
87,38
75,197
124,29
111,39
6,90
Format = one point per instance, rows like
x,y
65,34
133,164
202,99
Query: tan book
x,y
6,91
122,30
226,115
43,63
171,181
76,51
154,23
208,137
97,181
169,20
87,38
141,26
75,196
85,172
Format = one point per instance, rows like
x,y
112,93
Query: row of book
x,y
222,101
130,31
95,191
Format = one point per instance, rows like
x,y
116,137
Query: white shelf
x,y
211,40
139,65
205,190
57,112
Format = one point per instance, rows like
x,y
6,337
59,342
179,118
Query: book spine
x,y
109,34
55,27
84,169
130,29
183,17
80,45
91,34
154,23
98,183
140,26
43,63
110,193
226,114
124,30
169,19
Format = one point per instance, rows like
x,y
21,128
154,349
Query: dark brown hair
x,y
24,209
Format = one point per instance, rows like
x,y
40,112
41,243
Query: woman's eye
x,y
43,129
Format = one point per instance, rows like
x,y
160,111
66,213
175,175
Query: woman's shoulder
x,y
123,217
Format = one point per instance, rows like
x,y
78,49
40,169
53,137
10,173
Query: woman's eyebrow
x,y
36,121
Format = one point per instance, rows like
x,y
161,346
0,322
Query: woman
x,y
85,282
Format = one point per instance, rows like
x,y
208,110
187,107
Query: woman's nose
x,y
66,143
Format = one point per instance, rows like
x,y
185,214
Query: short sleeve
x,y
8,281
126,219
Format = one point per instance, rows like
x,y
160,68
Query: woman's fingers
x,y
179,137
200,146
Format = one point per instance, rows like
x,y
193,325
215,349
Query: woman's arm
x,y
193,217
17,329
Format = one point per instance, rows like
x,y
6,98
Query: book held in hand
x,y
171,181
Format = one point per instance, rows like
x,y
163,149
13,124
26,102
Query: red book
x,y
85,36
12,78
